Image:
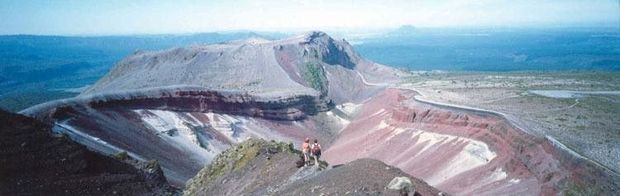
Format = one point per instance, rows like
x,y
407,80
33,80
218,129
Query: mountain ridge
x,y
196,108
185,106
248,65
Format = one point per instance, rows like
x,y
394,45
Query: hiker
x,y
316,152
305,150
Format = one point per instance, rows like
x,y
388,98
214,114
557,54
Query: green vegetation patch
x,y
233,159
313,75
152,164
121,156
573,189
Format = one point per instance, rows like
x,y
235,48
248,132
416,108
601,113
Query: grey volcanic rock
x,y
402,184
243,66
358,177
297,65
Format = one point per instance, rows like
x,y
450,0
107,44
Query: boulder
x,y
402,184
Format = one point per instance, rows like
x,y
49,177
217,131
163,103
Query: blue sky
x,y
105,17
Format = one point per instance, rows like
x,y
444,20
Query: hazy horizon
x,y
116,17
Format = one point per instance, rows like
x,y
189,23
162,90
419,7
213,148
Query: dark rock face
x,y
332,52
33,162
294,107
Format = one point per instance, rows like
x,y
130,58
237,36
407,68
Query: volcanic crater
x,y
184,106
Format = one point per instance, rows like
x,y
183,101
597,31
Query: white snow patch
x,y
163,121
349,108
227,125
474,154
396,131
430,138
343,122
381,111
497,175
382,125
298,124
92,142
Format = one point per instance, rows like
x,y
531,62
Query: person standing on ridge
x,y
316,152
305,150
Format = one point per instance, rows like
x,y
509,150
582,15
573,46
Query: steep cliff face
x,y
462,151
331,67
192,99
33,162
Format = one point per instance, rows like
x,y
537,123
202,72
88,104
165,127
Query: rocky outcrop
x,y
330,51
254,164
190,99
331,67
258,167
402,184
33,162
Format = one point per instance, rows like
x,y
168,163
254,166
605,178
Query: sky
x,y
112,17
